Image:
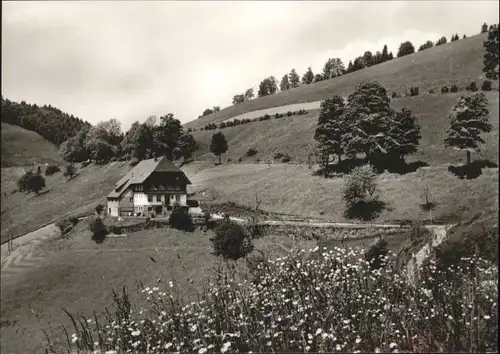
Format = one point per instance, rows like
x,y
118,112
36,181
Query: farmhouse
x,y
152,186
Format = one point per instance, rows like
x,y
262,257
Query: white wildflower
x,y
225,347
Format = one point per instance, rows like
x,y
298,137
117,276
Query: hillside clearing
x,y
295,135
21,147
23,212
292,189
429,69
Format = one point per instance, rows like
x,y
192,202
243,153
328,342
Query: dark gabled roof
x,y
140,172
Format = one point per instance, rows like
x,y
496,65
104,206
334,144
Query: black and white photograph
x,y
249,176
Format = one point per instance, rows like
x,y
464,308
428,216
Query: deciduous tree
x,y
218,145
405,48
425,46
249,94
239,98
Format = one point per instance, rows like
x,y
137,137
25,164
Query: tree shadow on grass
x,y
392,166
403,167
365,210
473,170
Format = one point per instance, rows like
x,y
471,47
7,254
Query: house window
x,y
150,198
131,199
177,198
109,211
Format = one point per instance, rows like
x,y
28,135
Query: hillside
x,y
21,147
22,212
427,69
50,122
294,135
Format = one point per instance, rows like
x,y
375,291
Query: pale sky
x,y
127,60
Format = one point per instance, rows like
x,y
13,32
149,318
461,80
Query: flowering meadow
x,y
332,302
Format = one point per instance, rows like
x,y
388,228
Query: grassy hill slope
x,y
427,69
294,135
22,212
21,147
292,189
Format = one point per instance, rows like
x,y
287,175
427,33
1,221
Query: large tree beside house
x,y
153,186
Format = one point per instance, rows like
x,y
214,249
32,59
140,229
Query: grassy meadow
x,y
24,212
21,147
429,69
77,274
293,189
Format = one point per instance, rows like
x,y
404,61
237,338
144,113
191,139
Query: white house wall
x,y
113,207
140,199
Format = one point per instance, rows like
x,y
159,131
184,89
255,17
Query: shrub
x,y
240,159
278,155
432,91
278,115
51,169
289,113
360,185
98,229
231,240
445,89
65,225
229,159
414,91
286,158
486,85
31,182
376,254
22,182
454,88
74,220
251,152
98,209
472,87
70,171
180,219
394,95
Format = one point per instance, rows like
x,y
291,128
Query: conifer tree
x,y
468,120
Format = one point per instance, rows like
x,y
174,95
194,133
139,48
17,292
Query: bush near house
x,y
231,240
454,88
180,219
286,158
445,89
